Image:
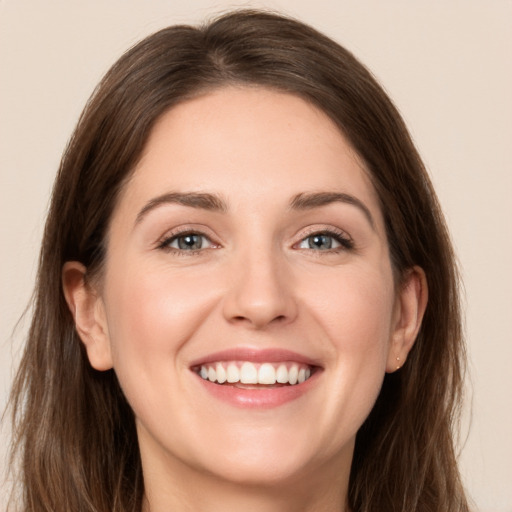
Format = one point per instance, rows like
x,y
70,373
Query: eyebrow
x,y
309,201
201,200
213,202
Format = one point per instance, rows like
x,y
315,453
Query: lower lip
x,y
263,398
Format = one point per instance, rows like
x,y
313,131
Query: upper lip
x,y
255,355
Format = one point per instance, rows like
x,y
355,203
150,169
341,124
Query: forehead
x,y
248,142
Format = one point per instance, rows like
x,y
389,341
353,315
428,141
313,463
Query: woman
x,y
247,297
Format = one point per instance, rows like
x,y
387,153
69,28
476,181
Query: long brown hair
x,y
75,439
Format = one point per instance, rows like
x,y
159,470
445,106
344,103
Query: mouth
x,y
246,377
252,375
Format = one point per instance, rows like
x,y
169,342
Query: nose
x,y
260,292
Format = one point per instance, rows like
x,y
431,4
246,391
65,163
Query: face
x,y
248,304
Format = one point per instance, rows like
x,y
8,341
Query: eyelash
x,y
339,236
345,241
169,239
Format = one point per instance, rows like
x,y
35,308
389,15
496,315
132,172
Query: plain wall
x,y
447,65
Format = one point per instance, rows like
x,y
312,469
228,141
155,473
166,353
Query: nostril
x,y
277,319
256,301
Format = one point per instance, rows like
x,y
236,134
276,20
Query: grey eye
x,y
188,242
319,242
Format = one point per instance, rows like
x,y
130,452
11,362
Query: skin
x,y
255,283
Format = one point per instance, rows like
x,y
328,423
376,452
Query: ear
x,y
88,311
409,310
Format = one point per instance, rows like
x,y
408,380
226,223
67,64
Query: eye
x,y
326,241
189,242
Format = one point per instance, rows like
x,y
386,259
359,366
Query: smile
x,y
256,378
249,373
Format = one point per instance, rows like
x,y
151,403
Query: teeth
x,y
281,374
248,374
233,373
221,373
293,374
266,374
251,373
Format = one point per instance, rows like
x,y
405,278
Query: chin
x,y
273,457
261,470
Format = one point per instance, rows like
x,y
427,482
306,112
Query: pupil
x,y
190,242
320,242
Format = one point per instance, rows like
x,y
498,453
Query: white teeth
x,y
221,373
282,374
293,374
251,373
266,374
233,373
248,374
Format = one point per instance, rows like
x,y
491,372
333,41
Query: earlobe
x,y
88,312
411,304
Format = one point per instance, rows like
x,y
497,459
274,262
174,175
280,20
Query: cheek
x,y
357,319
152,314
356,307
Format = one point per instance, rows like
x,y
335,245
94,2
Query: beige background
x,y
446,64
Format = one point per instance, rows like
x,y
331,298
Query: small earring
x,y
398,360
